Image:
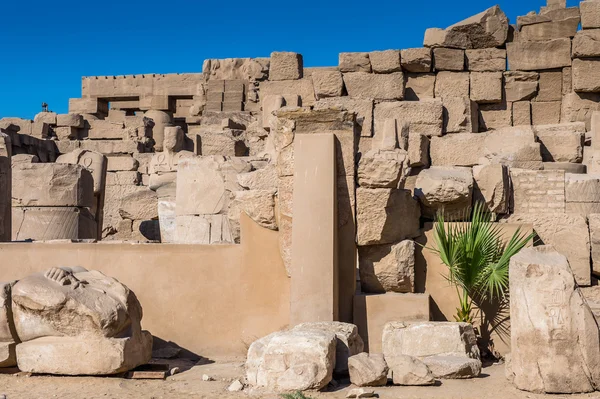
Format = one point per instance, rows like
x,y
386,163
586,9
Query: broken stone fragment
x,y
383,169
387,268
408,370
368,370
445,188
492,187
354,62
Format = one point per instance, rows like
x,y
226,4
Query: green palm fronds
x,y
477,257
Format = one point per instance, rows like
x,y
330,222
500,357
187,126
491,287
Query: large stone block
x,y
387,61
561,143
327,83
494,116
408,370
587,43
106,130
550,86
418,150
50,184
512,146
460,149
486,60
565,27
285,66
290,89
292,360
461,114
452,84
383,169
419,86
545,113
492,187
586,75
538,190
594,224
52,223
71,120
387,268
424,117
375,210
568,234
578,107
362,108
417,60
521,111
445,188
202,229
484,30
375,86
200,187
582,188
486,87
590,14
368,370
520,85
550,320
448,59
354,62
541,55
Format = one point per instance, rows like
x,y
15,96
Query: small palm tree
x,y
477,258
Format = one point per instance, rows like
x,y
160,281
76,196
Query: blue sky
x,y
47,46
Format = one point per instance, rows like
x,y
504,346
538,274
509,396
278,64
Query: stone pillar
x,y
5,188
314,269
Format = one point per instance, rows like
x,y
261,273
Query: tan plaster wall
x,y
431,276
213,300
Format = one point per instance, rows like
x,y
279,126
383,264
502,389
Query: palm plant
x,y
477,257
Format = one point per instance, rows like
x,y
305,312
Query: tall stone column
x,y
5,188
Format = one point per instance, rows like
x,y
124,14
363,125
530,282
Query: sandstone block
x,y
590,14
568,234
106,130
202,229
448,59
484,30
121,163
550,86
492,186
486,60
271,103
285,66
512,146
292,360
452,84
418,150
362,108
447,188
424,117
200,187
354,62
46,117
560,145
123,178
387,61
225,143
538,191
460,149
486,87
555,29
259,205
587,43
567,83
541,55
494,116
520,85
545,113
290,90
521,113
112,146
327,83
586,75
419,86
582,188
453,367
87,106
460,115
387,268
49,184
71,120
375,86
550,320
417,60
368,370
348,342
139,205
578,107
567,167
383,169
373,209
408,370
594,223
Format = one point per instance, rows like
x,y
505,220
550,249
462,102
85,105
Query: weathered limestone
x,y
285,66
48,184
578,107
540,55
387,61
375,86
538,190
486,29
447,188
460,115
383,169
327,83
452,84
418,150
545,113
419,86
582,188
417,60
269,105
550,321
368,370
486,87
512,146
292,360
554,29
492,186
259,205
520,85
448,349
561,146
102,336
587,43
486,60
424,117
387,268
494,116
586,74
376,208
448,59
521,111
568,233
459,149
590,14
408,370
354,62
348,342
362,108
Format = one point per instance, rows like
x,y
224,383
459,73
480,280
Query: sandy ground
x,y
189,384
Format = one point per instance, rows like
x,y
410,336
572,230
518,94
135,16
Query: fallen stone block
x,y
374,209
360,393
486,60
417,60
348,342
549,320
447,188
368,370
568,234
387,61
293,360
453,367
484,30
387,268
540,55
375,86
448,59
408,370
285,66
8,338
520,85
354,62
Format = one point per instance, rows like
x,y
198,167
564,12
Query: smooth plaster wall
x,y
213,300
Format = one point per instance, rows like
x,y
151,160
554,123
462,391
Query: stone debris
x,y
387,268
447,189
360,393
368,370
235,386
408,370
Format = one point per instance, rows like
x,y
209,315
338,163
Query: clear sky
x,y
47,46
